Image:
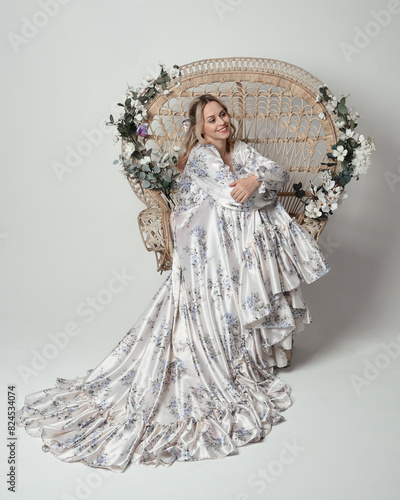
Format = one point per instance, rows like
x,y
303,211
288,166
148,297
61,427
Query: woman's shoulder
x,y
199,149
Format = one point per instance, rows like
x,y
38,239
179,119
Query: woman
x,y
194,378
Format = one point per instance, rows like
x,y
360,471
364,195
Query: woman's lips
x,y
223,129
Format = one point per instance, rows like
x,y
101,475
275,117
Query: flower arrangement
x,y
353,151
157,169
153,169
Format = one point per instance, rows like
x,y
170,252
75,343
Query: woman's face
x,y
216,125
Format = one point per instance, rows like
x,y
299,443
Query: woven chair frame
x,y
272,104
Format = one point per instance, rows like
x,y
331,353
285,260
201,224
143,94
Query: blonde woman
x,y
194,378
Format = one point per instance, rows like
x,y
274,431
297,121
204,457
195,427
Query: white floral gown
x,y
194,378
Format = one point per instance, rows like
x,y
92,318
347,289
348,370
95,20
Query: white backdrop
x,y
63,238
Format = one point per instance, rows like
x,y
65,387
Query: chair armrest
x,y
313,226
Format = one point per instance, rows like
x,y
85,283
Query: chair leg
x,y
289,353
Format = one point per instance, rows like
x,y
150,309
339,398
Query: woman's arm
x,y
206,168
272,175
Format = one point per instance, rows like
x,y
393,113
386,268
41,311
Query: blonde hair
x,y
193,133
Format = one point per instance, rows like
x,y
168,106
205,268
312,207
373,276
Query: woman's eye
x,y
222,114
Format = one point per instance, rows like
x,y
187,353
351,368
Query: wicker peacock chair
x,y
271,103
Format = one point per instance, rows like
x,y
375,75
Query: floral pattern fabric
x,y
195,376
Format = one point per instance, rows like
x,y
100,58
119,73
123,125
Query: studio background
x,y
63,238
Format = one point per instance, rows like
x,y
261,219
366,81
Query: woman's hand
x,y
244,188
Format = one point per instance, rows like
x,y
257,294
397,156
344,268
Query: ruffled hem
x,y
56,414
276,261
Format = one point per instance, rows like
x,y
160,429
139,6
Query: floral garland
x,y
152,173
353,151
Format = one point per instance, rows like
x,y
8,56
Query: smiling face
x,y
216,127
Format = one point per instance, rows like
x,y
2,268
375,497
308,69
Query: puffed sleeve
x,y
273,175
207,170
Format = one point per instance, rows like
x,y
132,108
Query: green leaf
x,y
146,183
342,108
150,92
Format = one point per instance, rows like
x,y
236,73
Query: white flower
x,y
174,72
145,160
177,148
322,116
362,158
329,185
332,104
166,92
340,123
349,133
148,78
319,98
352,115
339,153
326,176
311,210
332,206
321,201
330,196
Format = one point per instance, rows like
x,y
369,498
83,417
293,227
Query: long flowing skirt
x,y
194,378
